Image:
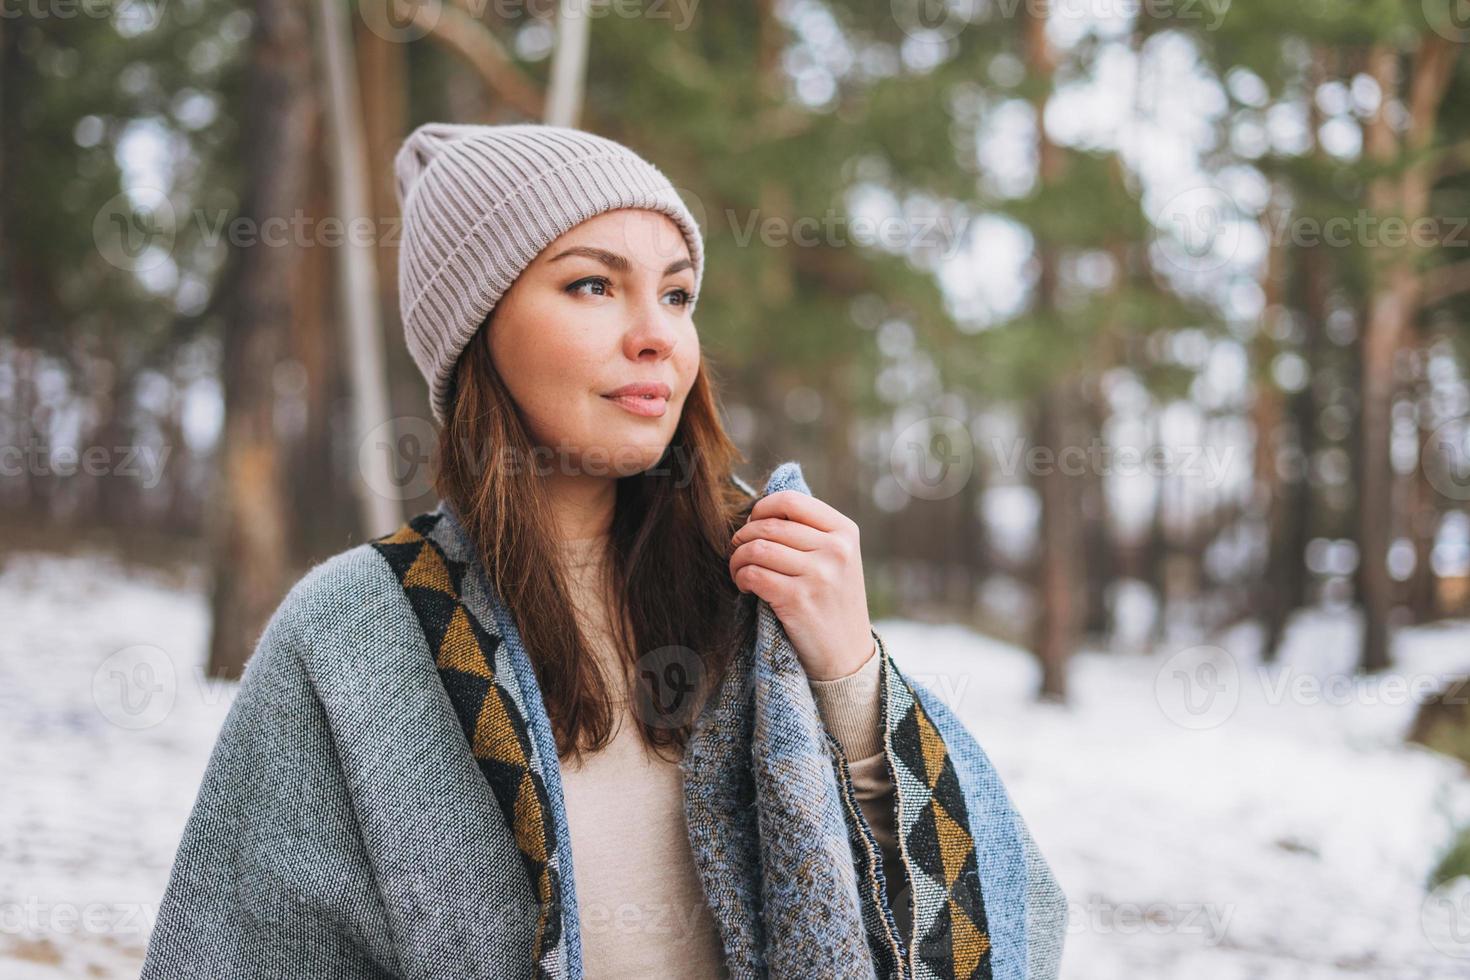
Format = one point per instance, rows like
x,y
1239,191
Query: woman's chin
x,y
620,457
632,464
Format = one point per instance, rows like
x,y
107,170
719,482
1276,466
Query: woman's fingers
x,y
794,534
794,505
771,555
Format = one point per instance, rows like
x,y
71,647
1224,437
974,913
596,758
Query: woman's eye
x,y
589,281
599,283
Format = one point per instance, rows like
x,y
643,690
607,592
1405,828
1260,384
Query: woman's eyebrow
x,y
615,261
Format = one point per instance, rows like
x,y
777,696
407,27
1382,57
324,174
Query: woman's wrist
x,y
849,707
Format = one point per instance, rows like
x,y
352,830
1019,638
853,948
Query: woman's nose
x,y
651,329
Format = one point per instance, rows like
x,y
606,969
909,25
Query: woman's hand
x,y
801,556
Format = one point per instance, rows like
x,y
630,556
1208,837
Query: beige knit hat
x,y
480,202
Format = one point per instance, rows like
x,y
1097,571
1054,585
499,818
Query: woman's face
x,y
604,306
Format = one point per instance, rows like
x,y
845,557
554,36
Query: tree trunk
x,y
1387,324
1059,575
568,65
1304,408
1424,518
1268,483
1100,566
315,485
1059,624
1158,547
383,83
378,502
1391,314
249,525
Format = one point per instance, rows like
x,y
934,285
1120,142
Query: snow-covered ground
x,y
1211,820
106,733
1208,819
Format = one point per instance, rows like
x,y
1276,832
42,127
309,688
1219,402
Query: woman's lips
x,y
639,405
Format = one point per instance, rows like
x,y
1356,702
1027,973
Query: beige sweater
x,y
642,911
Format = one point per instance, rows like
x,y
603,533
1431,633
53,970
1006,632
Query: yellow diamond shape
x,y
459,649
428,571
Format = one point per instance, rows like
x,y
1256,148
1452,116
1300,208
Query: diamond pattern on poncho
x,y
465,654
949,929
949,932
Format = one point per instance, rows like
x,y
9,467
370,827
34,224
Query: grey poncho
x,y
384,801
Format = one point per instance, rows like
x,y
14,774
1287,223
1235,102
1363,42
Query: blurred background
x,y
1133,333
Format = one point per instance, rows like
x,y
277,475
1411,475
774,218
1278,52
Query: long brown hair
x,y
682,618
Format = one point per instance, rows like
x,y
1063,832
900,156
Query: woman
x,y
606,711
